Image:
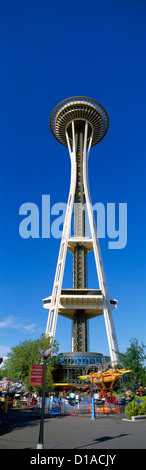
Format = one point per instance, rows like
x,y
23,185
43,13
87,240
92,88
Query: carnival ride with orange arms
x,y
106,380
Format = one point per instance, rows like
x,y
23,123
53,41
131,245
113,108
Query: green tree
x,y
134,358
1,374
19,361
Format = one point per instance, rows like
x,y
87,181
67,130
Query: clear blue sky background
x,y
51,51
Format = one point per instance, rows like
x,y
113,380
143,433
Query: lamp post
x,y
45,355
40,444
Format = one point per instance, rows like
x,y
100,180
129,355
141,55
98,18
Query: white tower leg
x,y
112,341
53,313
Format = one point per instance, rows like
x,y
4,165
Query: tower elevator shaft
x,y
79,323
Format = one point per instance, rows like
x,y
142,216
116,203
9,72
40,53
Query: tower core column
x,y
80,338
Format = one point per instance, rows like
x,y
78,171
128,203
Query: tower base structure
x,y
79,123
74,364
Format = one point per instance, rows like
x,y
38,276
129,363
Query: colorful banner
x,y
37,375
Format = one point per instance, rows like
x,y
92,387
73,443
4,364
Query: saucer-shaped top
x,y
79,109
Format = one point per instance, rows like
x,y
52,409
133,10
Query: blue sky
x,y
51,51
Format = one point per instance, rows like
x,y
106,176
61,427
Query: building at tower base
x,y
74,364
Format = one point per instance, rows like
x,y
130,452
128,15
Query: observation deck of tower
x,y
80,123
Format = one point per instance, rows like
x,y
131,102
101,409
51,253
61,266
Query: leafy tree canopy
x,y
134,358
18,364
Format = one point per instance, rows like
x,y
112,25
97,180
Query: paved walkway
x,y
20,430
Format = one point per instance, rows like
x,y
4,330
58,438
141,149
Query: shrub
x,y
132,409
142,408
140,398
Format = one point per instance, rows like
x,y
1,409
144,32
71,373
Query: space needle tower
x,y
79,123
